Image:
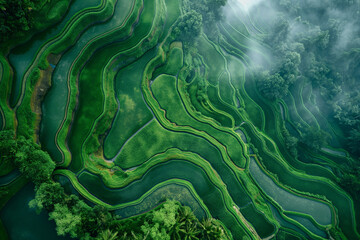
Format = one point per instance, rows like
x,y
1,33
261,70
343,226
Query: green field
x,y
232,109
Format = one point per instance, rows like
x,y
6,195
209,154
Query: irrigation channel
x,y
134,115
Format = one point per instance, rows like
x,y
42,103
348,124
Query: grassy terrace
x,y
110,36
132,111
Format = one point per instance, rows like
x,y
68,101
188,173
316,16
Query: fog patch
x,y
247,5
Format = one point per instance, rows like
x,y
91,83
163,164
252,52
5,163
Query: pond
x,y
8,178
23,223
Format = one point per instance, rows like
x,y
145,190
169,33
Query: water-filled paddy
x,y
8,178
55,102
21,58
308,224
23,223
289,201
170,191
145,106
210,194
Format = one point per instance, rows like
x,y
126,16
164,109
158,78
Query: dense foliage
x,y
350,181
17,16
34,163
311,42
189,26
171,221
314,138
71,215
74,217
210,11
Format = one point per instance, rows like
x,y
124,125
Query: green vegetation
x,y
74,217
20,19
182,119
17,16
35,164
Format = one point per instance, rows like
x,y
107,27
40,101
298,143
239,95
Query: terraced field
x,y
133,115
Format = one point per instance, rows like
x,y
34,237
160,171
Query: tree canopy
x,y
34,163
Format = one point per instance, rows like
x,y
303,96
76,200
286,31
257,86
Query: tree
x,y
166,215
185,215
210,230
349,179
347,110
36,165
175,230
154,231
210,11
107,235
314,138
289,69
8,147
18,16
272,86
93,220
291,142
189,26
279,33
186,225
354,141
47,195
14,17
190,231
66,221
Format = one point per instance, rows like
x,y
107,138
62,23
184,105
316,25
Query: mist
x,y
316,41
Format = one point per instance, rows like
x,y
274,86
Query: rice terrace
x,y
179,119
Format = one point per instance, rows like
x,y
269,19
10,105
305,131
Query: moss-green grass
x,y
111,36
226,91
164,90
213,59
251,109
222,119
212,196
262,226
310,184
24,114
172,14
273,128
5,88
91,101
304,113
159,140
213,93
133,112
173,63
